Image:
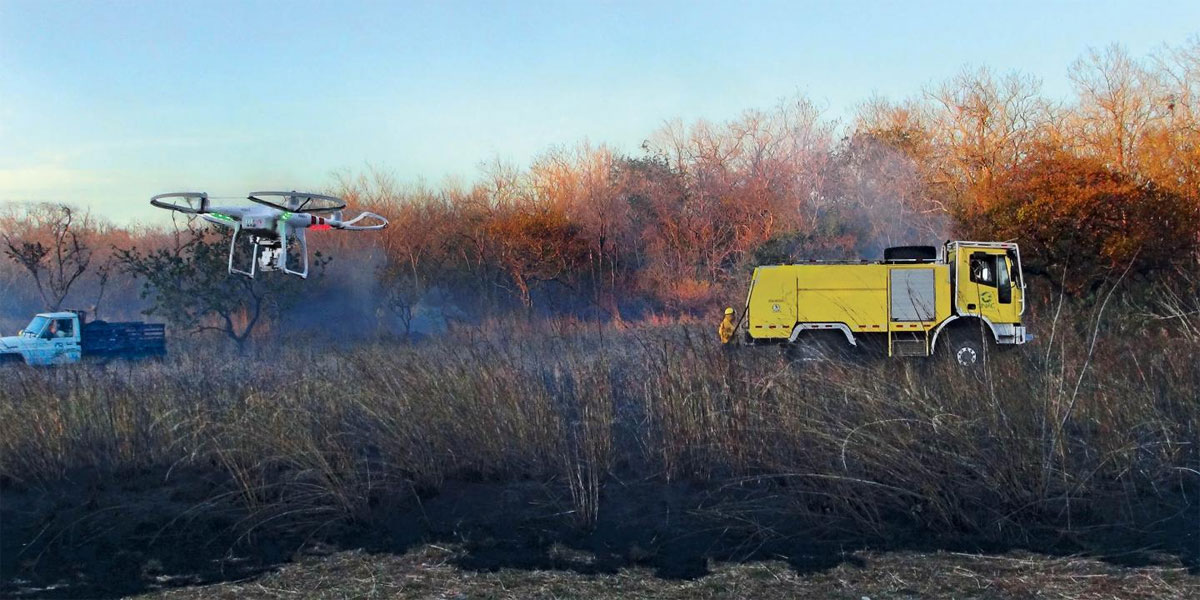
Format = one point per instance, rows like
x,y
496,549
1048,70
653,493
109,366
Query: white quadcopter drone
x,y
278,216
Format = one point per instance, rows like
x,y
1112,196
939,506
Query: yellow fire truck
x,y
960,298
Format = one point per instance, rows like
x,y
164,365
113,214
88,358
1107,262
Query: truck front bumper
x,y
1023,336
1012,334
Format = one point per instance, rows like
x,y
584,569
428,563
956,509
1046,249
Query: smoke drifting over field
x,y
884,192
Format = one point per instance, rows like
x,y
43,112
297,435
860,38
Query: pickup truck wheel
x,y
965,349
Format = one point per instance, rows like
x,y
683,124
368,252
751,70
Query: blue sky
x,y
104,104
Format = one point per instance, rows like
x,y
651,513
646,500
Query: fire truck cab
x,y
961,298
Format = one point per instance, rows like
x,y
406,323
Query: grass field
x,y
652,450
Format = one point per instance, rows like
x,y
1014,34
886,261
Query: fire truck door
x,y
986,287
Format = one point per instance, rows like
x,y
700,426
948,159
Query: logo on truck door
x,y
775,308
986,298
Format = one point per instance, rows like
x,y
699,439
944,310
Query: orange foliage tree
x,y
1075,216
536,247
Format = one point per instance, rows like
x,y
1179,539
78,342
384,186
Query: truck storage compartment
x,y
913,295
125,339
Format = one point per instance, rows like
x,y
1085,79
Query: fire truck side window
x,y
1002,272
983,269
1013,273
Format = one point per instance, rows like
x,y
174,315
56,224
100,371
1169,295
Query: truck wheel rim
x,y
966,356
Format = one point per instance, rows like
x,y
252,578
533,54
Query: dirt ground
x,y
432,571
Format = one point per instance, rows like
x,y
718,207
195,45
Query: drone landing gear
x,y
268,254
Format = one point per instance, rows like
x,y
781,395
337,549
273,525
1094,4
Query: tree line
x,y
1103,183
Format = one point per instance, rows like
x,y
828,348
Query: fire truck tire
x,y
965,348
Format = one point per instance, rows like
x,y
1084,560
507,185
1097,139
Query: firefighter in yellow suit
x,y
727,327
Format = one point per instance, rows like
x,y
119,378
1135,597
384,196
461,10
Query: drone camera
x,y
268,258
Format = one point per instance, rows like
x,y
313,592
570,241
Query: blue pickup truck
x,y
67,337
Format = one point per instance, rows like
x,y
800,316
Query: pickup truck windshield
x,y
36,326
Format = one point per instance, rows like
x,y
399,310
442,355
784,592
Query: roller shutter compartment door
x,y
913,295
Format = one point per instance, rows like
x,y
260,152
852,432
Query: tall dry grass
x,y
1046,438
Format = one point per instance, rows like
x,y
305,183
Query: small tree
x,y
535,247
189,285
416,250
52,250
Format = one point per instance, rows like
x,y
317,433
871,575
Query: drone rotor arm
x,y
222,220
353,224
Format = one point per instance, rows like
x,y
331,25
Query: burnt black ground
x,y
93,536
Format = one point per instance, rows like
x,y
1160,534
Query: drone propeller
x,y
298,202
192,203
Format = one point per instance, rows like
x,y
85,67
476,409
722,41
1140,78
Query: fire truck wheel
x,y
966,350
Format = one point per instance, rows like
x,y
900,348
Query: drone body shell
x,y
269,224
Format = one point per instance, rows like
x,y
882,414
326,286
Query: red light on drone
x,y
320,227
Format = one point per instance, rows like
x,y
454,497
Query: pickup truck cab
x,y
66,337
